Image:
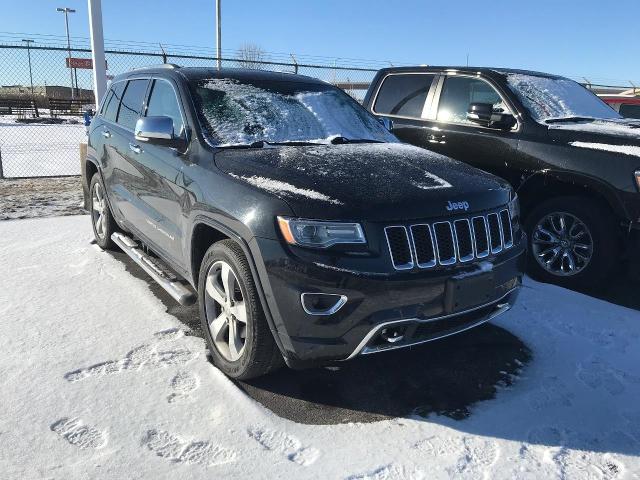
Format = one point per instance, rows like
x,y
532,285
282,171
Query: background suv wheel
x,y
572,242
235,327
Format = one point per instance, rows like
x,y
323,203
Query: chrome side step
x,y
156,270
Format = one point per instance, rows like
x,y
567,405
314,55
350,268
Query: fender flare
x,y
202,219
548,176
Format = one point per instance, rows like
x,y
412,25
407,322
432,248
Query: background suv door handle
x,y
135,148
106,134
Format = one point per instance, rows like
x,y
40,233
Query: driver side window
x,y
459,92
163,102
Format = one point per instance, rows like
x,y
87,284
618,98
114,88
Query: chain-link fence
x,y
42,100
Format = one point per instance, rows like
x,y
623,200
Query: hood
x,y
374,182
609,132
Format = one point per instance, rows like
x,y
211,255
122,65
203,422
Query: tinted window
x,y
131,105
113,101
163,102
459,92
630,111
403,95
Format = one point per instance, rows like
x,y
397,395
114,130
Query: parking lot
x,y
106,377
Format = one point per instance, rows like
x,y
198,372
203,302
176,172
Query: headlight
x,y
638,178
514,207
318,234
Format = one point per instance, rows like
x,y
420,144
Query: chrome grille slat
x,y
462,229
398,241
448,242
443,232
423,245
481,236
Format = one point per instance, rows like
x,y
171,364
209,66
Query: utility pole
x,y
33,97
66,12
97,51
218,34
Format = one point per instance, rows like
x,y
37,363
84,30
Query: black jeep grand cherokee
x,y
308,231
574,162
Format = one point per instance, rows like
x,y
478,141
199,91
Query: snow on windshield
x,y
548,98
242,113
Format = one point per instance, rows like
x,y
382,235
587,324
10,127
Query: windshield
x,y
241,113
556,98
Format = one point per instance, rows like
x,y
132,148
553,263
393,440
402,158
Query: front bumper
x,y
415,301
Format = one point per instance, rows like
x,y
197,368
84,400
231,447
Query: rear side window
x,y
460,92
111,104
403,95
629,110
131,105
163,102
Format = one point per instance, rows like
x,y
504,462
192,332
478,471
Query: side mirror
x,y
386,123
483,114
157,131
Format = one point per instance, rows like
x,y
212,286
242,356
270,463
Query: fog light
x,y
392,334
322,303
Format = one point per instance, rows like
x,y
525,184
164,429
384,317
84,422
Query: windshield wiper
x,y
569,119
257,144
342,140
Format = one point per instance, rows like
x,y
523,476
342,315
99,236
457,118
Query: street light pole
x,y
218,34
66,12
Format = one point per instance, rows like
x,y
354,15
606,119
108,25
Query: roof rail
x,y
169,66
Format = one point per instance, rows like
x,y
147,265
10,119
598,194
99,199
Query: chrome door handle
x,y
135,148
106,134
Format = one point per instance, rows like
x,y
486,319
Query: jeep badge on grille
x,y
457,206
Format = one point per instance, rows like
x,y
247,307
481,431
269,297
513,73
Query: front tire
x,y
102,220
235,326
572,242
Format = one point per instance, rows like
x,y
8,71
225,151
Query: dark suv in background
x,y
573,160
308,231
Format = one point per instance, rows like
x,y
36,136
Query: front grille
x,y
399,247
446,243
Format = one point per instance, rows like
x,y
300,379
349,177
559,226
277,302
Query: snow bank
x,y
99,381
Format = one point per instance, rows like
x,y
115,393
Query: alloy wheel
x,y
98,210
226,311
562,244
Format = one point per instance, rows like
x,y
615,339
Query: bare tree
x,y
250,55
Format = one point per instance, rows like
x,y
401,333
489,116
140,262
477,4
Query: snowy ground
x,y
40,197
38,150
99,381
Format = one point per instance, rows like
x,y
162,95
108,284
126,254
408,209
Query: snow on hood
x,y
364,181
618,128
286,189
632,150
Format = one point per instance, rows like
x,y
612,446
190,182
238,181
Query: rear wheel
x,y
572,242
235,326
102,220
